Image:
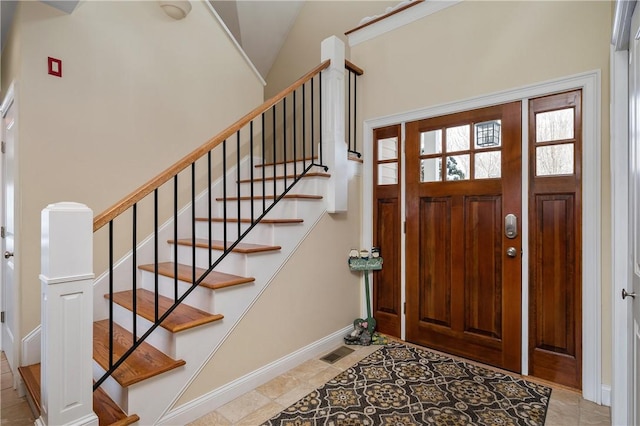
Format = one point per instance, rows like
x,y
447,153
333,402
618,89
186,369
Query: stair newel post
x,y
334,148
67,315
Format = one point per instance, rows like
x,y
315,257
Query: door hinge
x,y
3,147
405,226
404,308
2,232
2,317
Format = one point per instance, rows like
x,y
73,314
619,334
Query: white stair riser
x,y
286,207
280,169
313,185
262,233
233,263
201,297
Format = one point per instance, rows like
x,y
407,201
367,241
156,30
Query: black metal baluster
x,y
355,112
224,193
110,293
264,189
295,140
320,117
175,238
251,164
349,109
134,273
274,152
155,250
209,204
238,183
304,127
193,223
313,134
284,141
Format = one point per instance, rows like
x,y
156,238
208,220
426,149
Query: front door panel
x,y
463,174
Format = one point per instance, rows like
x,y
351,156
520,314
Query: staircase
x,y
167,359
163,310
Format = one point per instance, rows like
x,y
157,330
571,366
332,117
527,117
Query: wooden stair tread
x,y
182,318
215,280
107,411
270,178
247,220
31,378
271,197
245,248
145,362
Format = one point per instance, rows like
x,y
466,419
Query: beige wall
x,y
139,90
317,20
477,48
311,297
10,61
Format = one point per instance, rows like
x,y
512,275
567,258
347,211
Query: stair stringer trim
x,y
216,398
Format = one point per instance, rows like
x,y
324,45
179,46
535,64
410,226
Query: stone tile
x,y
6,381
213,418
5,366
324,376
243,406
557,418
295,394
17,415
9,397
279,386
261,415
594,414
308,369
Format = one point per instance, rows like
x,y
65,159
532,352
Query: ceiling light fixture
x,y
177,9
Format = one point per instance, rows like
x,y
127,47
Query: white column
x,y
67,315
334,147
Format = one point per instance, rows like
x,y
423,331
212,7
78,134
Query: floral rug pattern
x,y
400,385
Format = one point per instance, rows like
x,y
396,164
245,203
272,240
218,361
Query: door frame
x,y
11,100
590,83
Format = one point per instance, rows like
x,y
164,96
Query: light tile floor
x,y
13,409
566,408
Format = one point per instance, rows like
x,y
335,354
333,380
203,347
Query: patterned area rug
x,y
400,385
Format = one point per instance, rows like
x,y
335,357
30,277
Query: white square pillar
x,y
67,315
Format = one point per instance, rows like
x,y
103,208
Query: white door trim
x,y
622,320
590,83
11,99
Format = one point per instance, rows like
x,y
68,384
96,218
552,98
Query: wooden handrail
x,y
112,212
353,67
385,15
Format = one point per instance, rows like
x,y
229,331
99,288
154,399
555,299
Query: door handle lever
x,y
8,254
625,294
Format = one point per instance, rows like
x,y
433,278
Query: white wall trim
x,y
590,83
398,20
235,42
210,401
621,312
31,349
606,396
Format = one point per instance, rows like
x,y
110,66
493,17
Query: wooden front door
x,y
463,273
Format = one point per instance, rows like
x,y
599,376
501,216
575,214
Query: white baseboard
x,y
31,347
218,397
606,395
